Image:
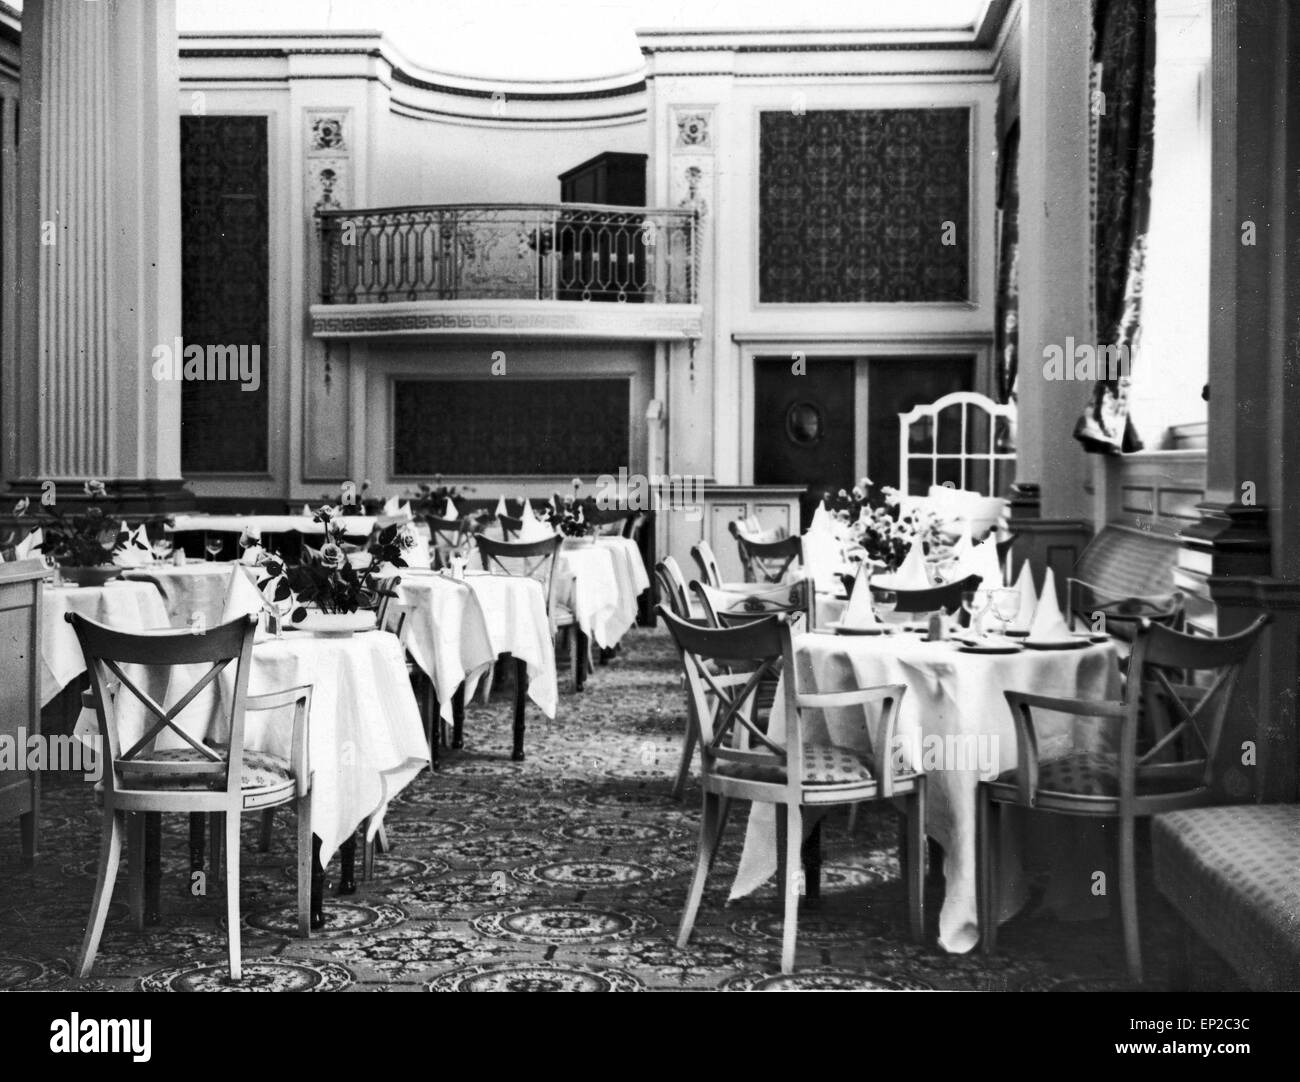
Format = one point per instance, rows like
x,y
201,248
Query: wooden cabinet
x,y
602,253
20,682
612,178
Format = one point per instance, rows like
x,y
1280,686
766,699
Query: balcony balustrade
x,y
498,251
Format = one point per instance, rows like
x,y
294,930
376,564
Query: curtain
x,y
1008,303
1123,109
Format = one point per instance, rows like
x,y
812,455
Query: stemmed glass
x,y
975,603
162,548
1006,607
212,546
885,601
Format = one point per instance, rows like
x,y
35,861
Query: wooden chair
x,y
1182,686
221,780
1123,615
946,597
510,526
707,562
672,591
768,561
613,522
446,536
535,560
724,668
732,607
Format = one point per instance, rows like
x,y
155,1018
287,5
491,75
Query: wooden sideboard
x,y
20,681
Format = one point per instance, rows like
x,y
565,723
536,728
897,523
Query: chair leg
x,y
853,817
304,866
521,698
1128,900
811,853
710,829
135,868
110,852
579,658
268,824
216,843
986,872
688,754
793,847
232,894
458,717
916,861
367,852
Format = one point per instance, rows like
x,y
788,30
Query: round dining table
x,y
954,723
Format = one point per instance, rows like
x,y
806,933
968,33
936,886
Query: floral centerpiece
x,y
574,518
430,501
881,528
83,542
326,580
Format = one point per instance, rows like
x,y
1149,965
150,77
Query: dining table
x,y
198,590
954,723
600,579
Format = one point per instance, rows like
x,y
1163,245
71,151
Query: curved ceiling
x,y
508,41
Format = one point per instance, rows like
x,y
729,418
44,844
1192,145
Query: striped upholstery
x,y
823,764
1234,875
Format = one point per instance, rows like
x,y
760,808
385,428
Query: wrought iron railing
x,y
568,251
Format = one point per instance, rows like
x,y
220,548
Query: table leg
x,y
458,717
812,863
347,865
198,826
27,836
580,661
435,727
153,868
521,698
317,887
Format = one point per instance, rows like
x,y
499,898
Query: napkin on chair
x,y
1028,601
1048,624
450,513
911,575
860,612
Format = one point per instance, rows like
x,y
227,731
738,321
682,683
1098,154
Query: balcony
x,y
547,270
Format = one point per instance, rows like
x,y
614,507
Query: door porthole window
x,y
804,424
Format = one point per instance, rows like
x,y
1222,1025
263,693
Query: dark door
x,y
896,385
804,424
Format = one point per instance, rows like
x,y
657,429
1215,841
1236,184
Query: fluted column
x,y
99,244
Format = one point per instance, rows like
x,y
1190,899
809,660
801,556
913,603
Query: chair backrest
x,y
1122,615
732,608
768,561
672,586
1182,685
529,559
707,562
107,651
611,523
447,533
724,670
946,597
510,526
962,439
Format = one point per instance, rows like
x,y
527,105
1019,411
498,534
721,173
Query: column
x,y
1051,505
99,236
1248,539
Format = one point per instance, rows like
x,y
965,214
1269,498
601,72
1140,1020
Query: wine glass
x,y
162,548
974,603
1006,607
212,546
886,601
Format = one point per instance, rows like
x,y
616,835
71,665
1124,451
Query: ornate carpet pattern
x,y
565,872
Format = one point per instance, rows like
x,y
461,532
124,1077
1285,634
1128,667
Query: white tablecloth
x,y
197,589
127,606
601,581
445,632
517,624
357,525
953,695
365,738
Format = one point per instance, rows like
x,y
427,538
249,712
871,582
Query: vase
x,y
336,625
90,576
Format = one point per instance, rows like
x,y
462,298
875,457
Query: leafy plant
x,y
85,538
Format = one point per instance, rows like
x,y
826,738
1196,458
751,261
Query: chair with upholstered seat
x,y
732,607
738,761
223,780
1122,613
1166,732
768,561
672,591
447,537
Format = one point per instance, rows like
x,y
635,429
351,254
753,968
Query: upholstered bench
x,y
1233,874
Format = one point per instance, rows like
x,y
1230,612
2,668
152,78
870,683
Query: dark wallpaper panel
x,y
510,426
224,286
852,206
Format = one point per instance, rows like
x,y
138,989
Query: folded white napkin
x,y
306,510
501,506
821,556
1028,600
30,546
449,512
531,528
860,612
418,554
132,557
1048,624
821,520
140,539
242,596
984,562
391,507
251,555
911,575
404,510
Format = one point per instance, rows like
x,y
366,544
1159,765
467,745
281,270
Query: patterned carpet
x,y
566,872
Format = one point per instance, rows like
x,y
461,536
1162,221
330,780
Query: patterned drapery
x,y
1008,305
1123,106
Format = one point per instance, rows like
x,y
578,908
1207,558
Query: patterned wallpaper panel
x,y
510,426
864,205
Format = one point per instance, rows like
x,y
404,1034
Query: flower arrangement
x,y
327,579
574,518
430,501
882,529
84,538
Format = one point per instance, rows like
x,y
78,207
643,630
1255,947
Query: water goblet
x,y
1006,607
162,548
212,546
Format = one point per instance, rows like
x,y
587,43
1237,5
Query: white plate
x,y
847,629
1057,644
971,647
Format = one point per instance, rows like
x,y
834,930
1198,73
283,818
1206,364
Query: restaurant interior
x,y
650,496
